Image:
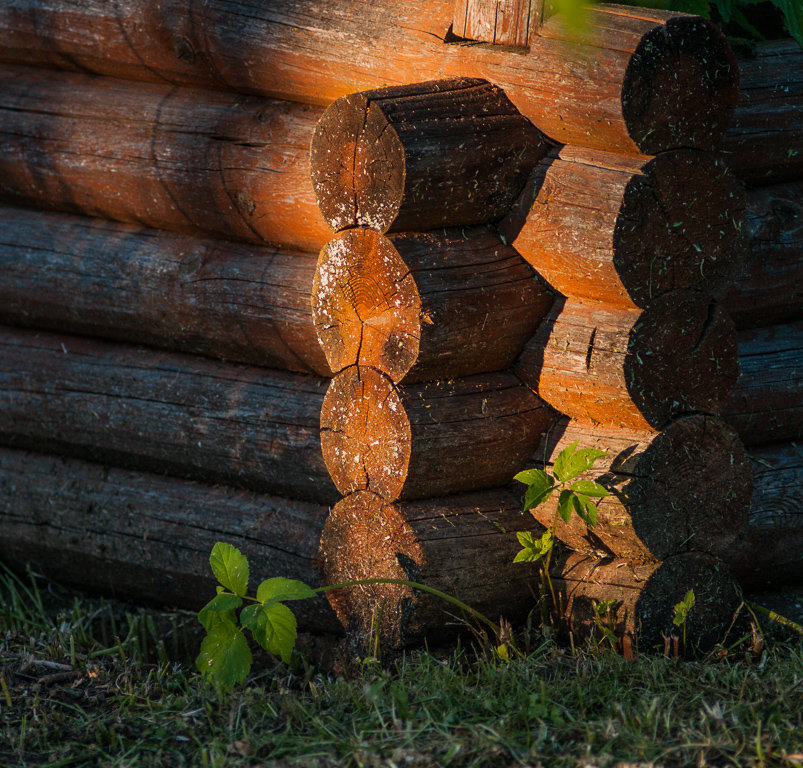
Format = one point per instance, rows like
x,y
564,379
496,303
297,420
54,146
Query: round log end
x,y
681,86
365,433
365,304
357,165
682,358
365,537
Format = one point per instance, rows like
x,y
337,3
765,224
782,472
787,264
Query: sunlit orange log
x,y
624,230
445,153
438,305
767,404
144,536
769,549
163,412
463,545
769,287
501,22
222,299
684,489
647,81
179,159
644,596
764,144
421,440
629,368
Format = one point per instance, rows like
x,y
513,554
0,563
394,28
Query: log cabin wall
x,y
155,182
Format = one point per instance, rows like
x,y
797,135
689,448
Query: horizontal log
x,y
769,288
425,440
445,153
650,81
142,536
428,306
223,299
767,404
769,549
631,368
163,412
684,489
180,159
764,143
644,597
625,231
463,545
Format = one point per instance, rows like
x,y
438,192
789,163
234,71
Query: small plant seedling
x,y
681,612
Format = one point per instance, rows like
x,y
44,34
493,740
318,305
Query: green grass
x,y
127,695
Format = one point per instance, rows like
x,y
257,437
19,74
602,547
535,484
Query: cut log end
x,y
681,86
366,305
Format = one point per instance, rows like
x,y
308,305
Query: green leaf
x,y
565,505
561,464
276,630
530,476
580,461
525,538
230,567
225,657
249,616
682,609
539,491
220,607
533,550
585,508
589,488
280,588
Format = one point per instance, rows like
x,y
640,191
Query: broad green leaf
x,y
682,609
276,630
249,616
219,608
283,589
589,488
225,657
565,505
539,492
230,567
793,16
585,508
561,465
580,461
533,550
525,538
530,476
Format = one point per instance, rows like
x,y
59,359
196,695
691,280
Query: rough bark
x,y
633,369
684,489
445,153
463,545
500,22
142,536
625,231
769,288
179,159
767,404
238,302
764,144
769,549
430,439
645,596
163,412
425,306
649,81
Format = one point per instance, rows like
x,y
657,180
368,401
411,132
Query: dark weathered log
x,y
163,412
624,230
767,404
769,549
428,306
769,288
463,545
629,368
645,595
650,81
178,159
445,153
238,302
430,439
142,536
764,144
501,22
684,489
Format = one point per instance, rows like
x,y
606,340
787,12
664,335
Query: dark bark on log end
x,y
411,158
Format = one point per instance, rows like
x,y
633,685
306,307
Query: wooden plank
x,y
500,22
163,412
190,161
239,302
